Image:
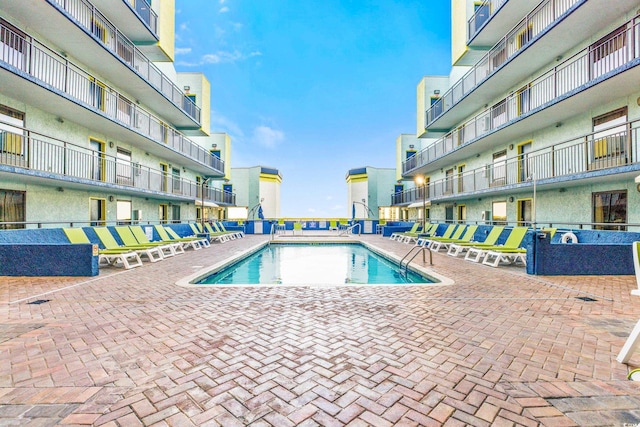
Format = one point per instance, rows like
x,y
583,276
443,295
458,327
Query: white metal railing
x,y
579,155
542,17
483,12
96,23
49,155
55,71
586,66
144,11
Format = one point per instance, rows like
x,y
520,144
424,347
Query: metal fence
x,y
71,161
575,156
96,23
537,21
55,71
591,63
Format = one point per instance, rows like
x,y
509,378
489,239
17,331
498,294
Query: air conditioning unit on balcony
x,y
486,217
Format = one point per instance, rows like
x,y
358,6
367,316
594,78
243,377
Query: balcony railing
x,y
67,160
95,22
144,11
481,15
588,65
538,20
54,71
587,153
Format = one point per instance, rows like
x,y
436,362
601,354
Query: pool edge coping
x,y
185,282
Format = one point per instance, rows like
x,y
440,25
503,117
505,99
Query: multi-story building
x,y
367,193
538,121
96,124
258,192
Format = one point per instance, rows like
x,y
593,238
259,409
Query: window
x,y
609,138
123,212
13,44
12,208
499,169
608,53
11,133
499,213
610,207
124,171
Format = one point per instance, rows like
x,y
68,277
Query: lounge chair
x,y
214,230
414,228
154,254
510,246
448,234
130,241
456,249
219,227
203,242
207,233
423,238
126,257
457,237
185,242
297,227
333,225
510,252
222,228
142,239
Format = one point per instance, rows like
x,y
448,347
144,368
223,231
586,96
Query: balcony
x,y
40,77
589,72
39,157
493,18
86,36
531,27
584,158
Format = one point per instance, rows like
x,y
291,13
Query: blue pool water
x,y
311,264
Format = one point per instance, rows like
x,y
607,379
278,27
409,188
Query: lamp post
x,y
421,182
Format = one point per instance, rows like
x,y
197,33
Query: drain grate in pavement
x,y
39,301
587,299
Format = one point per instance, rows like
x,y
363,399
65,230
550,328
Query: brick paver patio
x,y
498,347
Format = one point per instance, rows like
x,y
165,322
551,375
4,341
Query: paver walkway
x,y
498,347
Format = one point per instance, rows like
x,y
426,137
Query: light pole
x,y
421,182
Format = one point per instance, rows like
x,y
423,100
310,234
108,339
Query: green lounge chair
x,y
448,234
456,249
211,234
333,225
219,228
142,239
396,236
154,254
423,238
222,228
457,237
126,257
185,242
130,241
512,244
201,242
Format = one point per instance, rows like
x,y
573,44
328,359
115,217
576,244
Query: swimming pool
x,y
312,264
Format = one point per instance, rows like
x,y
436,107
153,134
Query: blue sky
x,y
313,88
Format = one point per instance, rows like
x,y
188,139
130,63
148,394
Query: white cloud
x,y
220,57
267,136
223,9
222,1
337,208
182,50
222,123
